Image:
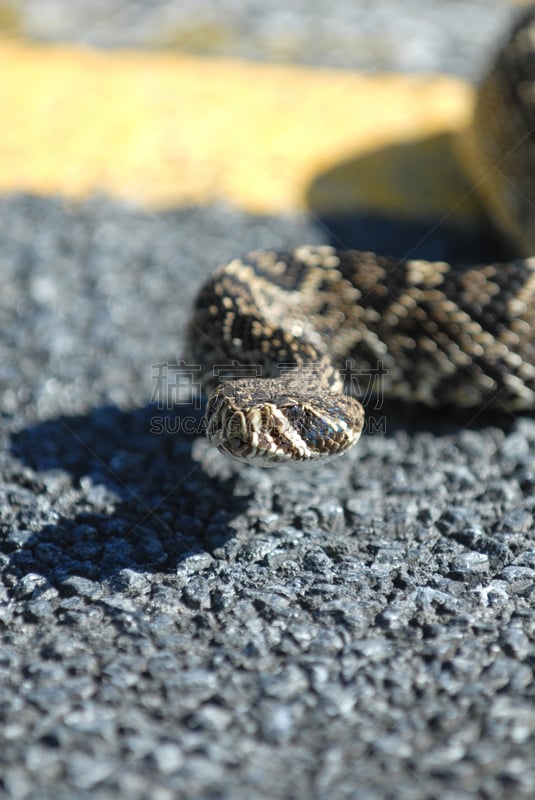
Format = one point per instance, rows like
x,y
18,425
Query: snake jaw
x,y
279,429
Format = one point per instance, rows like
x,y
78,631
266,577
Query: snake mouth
x,y
283,431
246,436
256,434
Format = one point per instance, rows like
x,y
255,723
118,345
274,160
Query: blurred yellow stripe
x,y
166,130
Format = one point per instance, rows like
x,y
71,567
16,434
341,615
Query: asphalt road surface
x,y
173,625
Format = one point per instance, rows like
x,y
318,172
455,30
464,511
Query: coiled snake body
x,y
294,332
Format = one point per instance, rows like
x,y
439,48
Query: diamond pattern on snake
x,y
443,335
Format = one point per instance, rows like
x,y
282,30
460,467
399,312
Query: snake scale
x,y
293,329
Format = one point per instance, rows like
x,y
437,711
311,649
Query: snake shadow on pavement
x,y
406,200
132,500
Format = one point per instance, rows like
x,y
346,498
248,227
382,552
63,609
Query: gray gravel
x,y
433,36
173,625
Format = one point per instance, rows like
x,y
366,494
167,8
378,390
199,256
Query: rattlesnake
x,y
291,331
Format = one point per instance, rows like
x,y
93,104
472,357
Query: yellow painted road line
x,y
165,131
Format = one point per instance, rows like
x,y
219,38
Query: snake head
x,y
259,422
